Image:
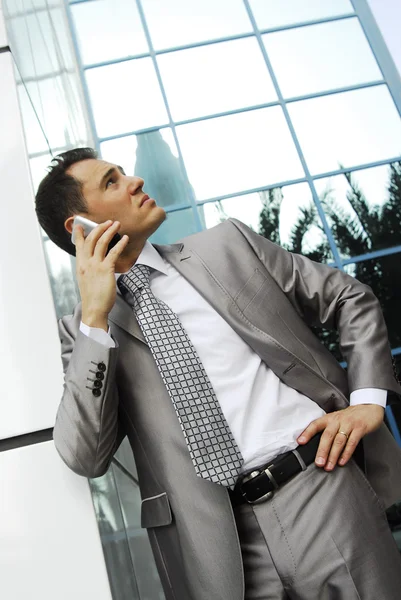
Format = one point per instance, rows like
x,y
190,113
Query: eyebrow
x,y
109,172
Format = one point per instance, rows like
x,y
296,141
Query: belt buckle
x,y
265,496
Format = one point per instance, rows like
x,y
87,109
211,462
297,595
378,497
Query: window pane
x,y
363,209
215,78
179,22
286,216
347,129
108,29
383,276
178,224
126,97
147,578
276,13
321,57
152,156
238,152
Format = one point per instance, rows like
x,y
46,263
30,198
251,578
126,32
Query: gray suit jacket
x,y
270,297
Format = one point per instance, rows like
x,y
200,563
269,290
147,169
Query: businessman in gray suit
x,y
243,425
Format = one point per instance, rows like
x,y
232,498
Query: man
x,y
239,418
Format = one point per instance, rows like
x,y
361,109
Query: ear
x,y
69,223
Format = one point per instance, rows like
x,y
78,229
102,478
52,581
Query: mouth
x,y
145,199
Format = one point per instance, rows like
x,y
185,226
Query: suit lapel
x,y
123,315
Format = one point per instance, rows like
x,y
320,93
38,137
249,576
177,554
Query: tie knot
x,y
136,278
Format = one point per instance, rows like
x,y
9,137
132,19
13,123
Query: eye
x,y
112,180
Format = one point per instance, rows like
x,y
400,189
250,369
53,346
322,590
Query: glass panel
x,y
238,152
178,224
321,57
113,536
125,97
286,216
179,22
108,29
363,208
215,78
154,157
147,578
347,129
276,13
61,271
383,276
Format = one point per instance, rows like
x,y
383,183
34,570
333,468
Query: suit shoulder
x,y
222,231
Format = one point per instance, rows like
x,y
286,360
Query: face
x,y
110,194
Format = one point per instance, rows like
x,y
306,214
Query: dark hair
x,y
60,196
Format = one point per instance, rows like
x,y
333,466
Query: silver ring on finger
x,y
343,433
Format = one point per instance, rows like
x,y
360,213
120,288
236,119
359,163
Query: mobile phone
x,y
89,226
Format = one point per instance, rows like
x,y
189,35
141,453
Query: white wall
x,y
387,14
50,546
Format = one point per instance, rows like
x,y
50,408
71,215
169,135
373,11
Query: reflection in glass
x,y
238,152
286,216
383,276
276,13
113,536
147,578
125,97
180,22
61,272
154,157
363,208
178,224
321,57
215,78
347,129
108,29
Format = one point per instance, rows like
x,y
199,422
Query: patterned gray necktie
x,y
211,444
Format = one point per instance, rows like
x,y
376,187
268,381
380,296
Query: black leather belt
x,y
259,485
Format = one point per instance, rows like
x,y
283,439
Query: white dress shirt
x,y
265,415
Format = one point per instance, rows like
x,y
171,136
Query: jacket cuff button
x,y
96,392
101,366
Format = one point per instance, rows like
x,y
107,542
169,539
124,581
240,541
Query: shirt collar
x,y
151,258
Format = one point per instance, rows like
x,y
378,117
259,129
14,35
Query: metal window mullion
x,y
84,84
190,193
371,165
372,255
380,50
309,179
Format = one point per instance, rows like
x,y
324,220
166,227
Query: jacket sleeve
x,y
87,431
327,297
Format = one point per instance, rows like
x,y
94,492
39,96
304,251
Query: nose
x,y
135,184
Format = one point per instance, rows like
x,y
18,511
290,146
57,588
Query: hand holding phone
x,y
89,226
96,268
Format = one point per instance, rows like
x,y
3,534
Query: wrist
x,y
95,320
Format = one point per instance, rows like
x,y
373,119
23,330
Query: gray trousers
x,y
323,536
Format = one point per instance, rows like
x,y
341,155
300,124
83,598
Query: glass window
x,y
321,57
180,22
153,156
178,224
125,97
108,29
277,13
215,78
383,276
147,578
363,208
347,129
61,271
238,152
286,216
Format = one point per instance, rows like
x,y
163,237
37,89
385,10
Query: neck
x,y
129,256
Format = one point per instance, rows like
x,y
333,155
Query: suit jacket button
x,y
101,366
96,392
99,375
97,384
